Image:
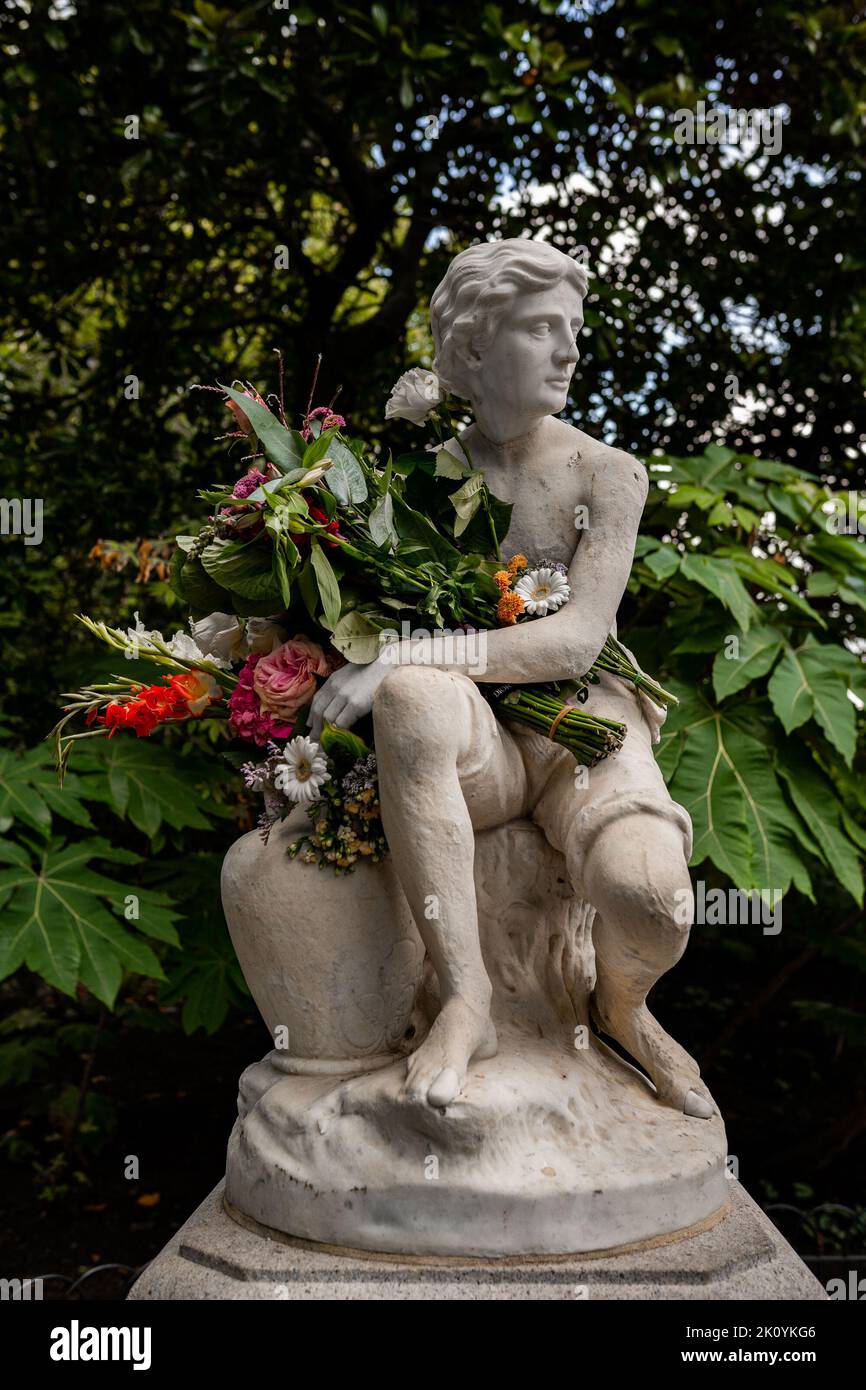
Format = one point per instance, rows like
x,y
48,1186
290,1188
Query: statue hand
x,y
346,696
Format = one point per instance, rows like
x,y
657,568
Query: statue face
x,y
527,369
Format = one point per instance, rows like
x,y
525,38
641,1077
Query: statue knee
x,y
416,700
638,879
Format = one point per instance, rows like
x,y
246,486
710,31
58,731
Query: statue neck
x,y
503,447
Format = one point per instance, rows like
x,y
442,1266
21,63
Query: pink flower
x,y
248,483
329,420
247,719
285,680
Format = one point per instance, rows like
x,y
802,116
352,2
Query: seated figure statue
x,y
506,320
436,1086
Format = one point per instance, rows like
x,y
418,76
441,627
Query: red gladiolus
x,y
184,696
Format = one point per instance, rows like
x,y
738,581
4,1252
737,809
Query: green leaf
x,y
356,638
726,780
380,19
191,584
664,562
466,501
824,815
722,580
29,791
758,649
412,526
279,444
329,589
342,742
448,466
381,522
150,785
345,478
244,568
19,799
57,923
207,977
812,681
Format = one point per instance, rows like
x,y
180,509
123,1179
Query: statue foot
x,y
437,1070
674,1073
698,1106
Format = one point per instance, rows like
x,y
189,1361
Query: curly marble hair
x,y
478,286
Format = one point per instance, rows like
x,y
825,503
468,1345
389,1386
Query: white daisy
x,y
303,772
543,591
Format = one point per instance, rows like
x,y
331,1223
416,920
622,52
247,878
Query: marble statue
x,y
443,1090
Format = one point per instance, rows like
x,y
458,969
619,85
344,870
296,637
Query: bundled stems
x,y
586,736
614,658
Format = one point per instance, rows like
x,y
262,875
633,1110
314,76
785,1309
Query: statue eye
x,y
541,329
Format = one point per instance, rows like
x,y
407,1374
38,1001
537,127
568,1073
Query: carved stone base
x,y
554,1146
741,1256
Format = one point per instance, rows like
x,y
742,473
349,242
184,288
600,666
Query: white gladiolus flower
x,y
543,591
414,396
145,639
304,771
221,636
141,638
263,635
182,646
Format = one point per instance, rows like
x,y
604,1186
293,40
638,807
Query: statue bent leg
x,y
626,844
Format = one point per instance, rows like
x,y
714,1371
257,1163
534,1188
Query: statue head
x,y
505,320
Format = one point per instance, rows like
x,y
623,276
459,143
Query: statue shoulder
x,y
615,468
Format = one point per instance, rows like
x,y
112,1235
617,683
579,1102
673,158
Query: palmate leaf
x,y
29,791
726,780
758,649
208,978
722,580
812,681
822,811
149,784
64,920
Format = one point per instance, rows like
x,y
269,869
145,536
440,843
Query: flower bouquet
x,y
320,554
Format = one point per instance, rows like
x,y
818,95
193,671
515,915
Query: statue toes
x,y
697,1106
444,1088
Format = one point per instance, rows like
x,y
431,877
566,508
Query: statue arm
x,y
564,645
561,646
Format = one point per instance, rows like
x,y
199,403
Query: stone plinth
x,y
554,1146
739,1256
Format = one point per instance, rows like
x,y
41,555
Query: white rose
x,y
220,636
414,396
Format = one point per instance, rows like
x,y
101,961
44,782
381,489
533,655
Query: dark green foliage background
x,y
372,142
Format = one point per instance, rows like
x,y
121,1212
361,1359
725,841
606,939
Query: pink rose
x,y
285,680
